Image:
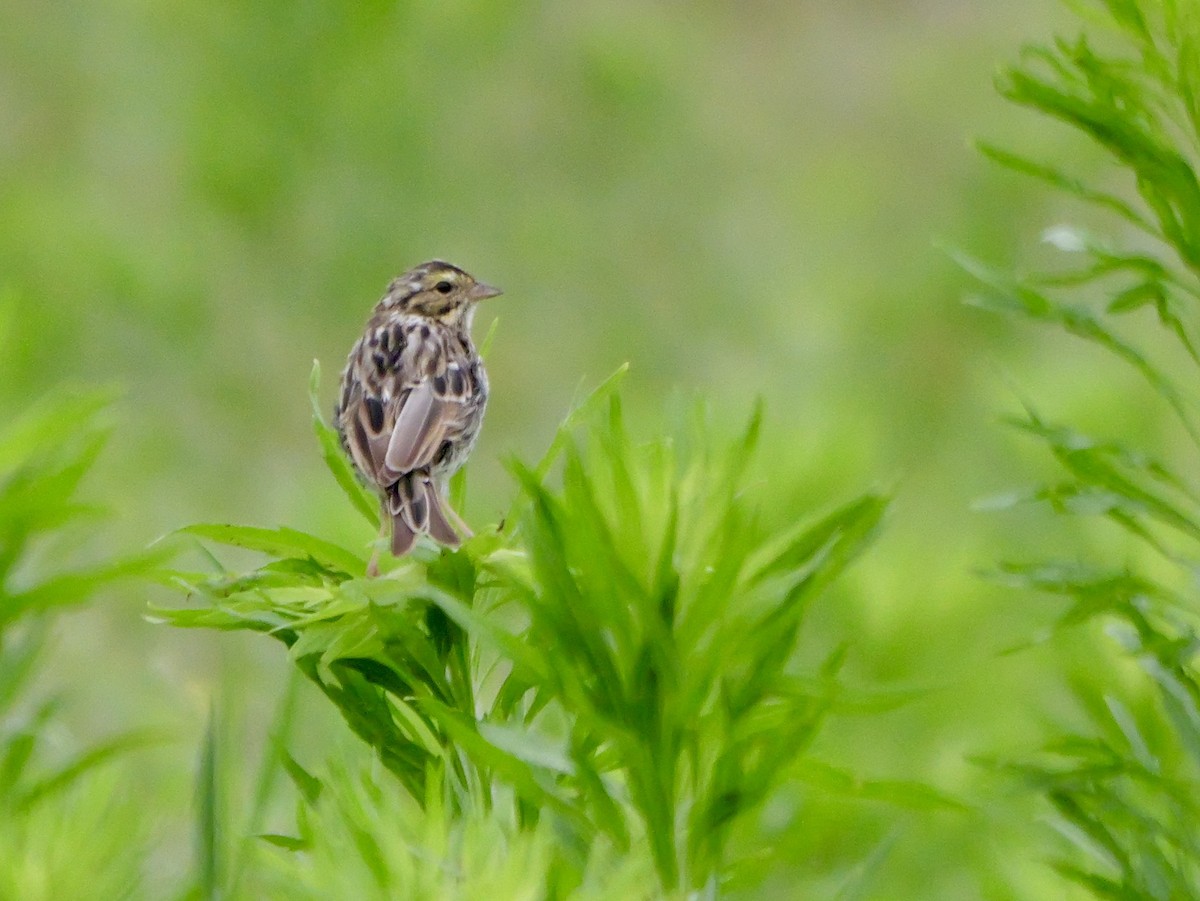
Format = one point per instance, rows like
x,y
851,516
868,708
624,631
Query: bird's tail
x,y
416,507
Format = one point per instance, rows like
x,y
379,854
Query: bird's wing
x,y
419,430
424,417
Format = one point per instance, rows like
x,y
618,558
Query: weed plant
x,y
58,800
1125,795
613,666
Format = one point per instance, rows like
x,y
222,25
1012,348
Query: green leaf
x,y
1010,296
863,877
287,842
527,745
308,785
1136,296
68,774
207,816
910,795
808,547
579,412
1064,182
55,421
77,587
523,776
283,542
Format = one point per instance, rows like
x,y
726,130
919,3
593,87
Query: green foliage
x,y
198,199
671,620
363,837
56,810
614,664
1128,796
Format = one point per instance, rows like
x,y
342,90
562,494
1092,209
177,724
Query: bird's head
x,y
437,290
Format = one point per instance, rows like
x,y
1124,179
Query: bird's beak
x,y
480,291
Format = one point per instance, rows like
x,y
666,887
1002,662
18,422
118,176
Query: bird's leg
x,y
373,563
457,521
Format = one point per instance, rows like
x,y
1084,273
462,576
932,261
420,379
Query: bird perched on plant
x,y
412,399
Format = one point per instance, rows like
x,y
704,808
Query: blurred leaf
x,y
811,548
73,588
310,786
207,815
283,542
859,884
1063,182
96,756
534,749
912,795
56,421
1009,296
1126,797
19,654
287,842
578,413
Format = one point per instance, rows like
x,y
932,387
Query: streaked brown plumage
x,y
412,399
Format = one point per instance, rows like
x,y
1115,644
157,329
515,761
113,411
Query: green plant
x,y
1127,796
616,659
362,837
56,808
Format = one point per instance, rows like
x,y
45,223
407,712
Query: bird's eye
x,y
443,287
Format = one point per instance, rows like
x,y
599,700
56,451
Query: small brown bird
x,y
412,399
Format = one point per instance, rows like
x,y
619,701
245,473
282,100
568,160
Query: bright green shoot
x,y
618,657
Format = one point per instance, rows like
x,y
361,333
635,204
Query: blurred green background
x,y
740,199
